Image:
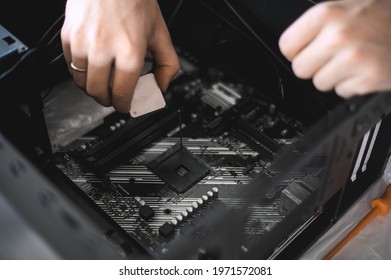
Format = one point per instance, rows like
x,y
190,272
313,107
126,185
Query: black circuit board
x,y
229,134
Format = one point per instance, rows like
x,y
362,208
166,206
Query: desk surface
x,y
372,243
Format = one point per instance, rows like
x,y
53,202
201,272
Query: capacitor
x,y
184,214
174,222
139,202
179,218
215,192
190,211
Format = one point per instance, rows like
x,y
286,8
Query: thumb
x,y
164,75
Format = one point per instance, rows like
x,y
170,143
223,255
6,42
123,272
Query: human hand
x,y
342,45
110,40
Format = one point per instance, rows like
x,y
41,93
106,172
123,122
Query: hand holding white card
x,y
147,97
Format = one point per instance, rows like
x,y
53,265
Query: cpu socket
x,y
179,168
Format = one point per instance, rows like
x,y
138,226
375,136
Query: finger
x,y
125,78
98,81
331,74
303,31
357,84
66,48
348,88
80,78
164,54
314,56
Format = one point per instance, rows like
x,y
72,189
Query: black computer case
x,y
245,162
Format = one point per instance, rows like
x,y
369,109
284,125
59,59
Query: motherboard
x,y
156,176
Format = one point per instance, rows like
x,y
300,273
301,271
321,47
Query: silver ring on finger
x,y
77,69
